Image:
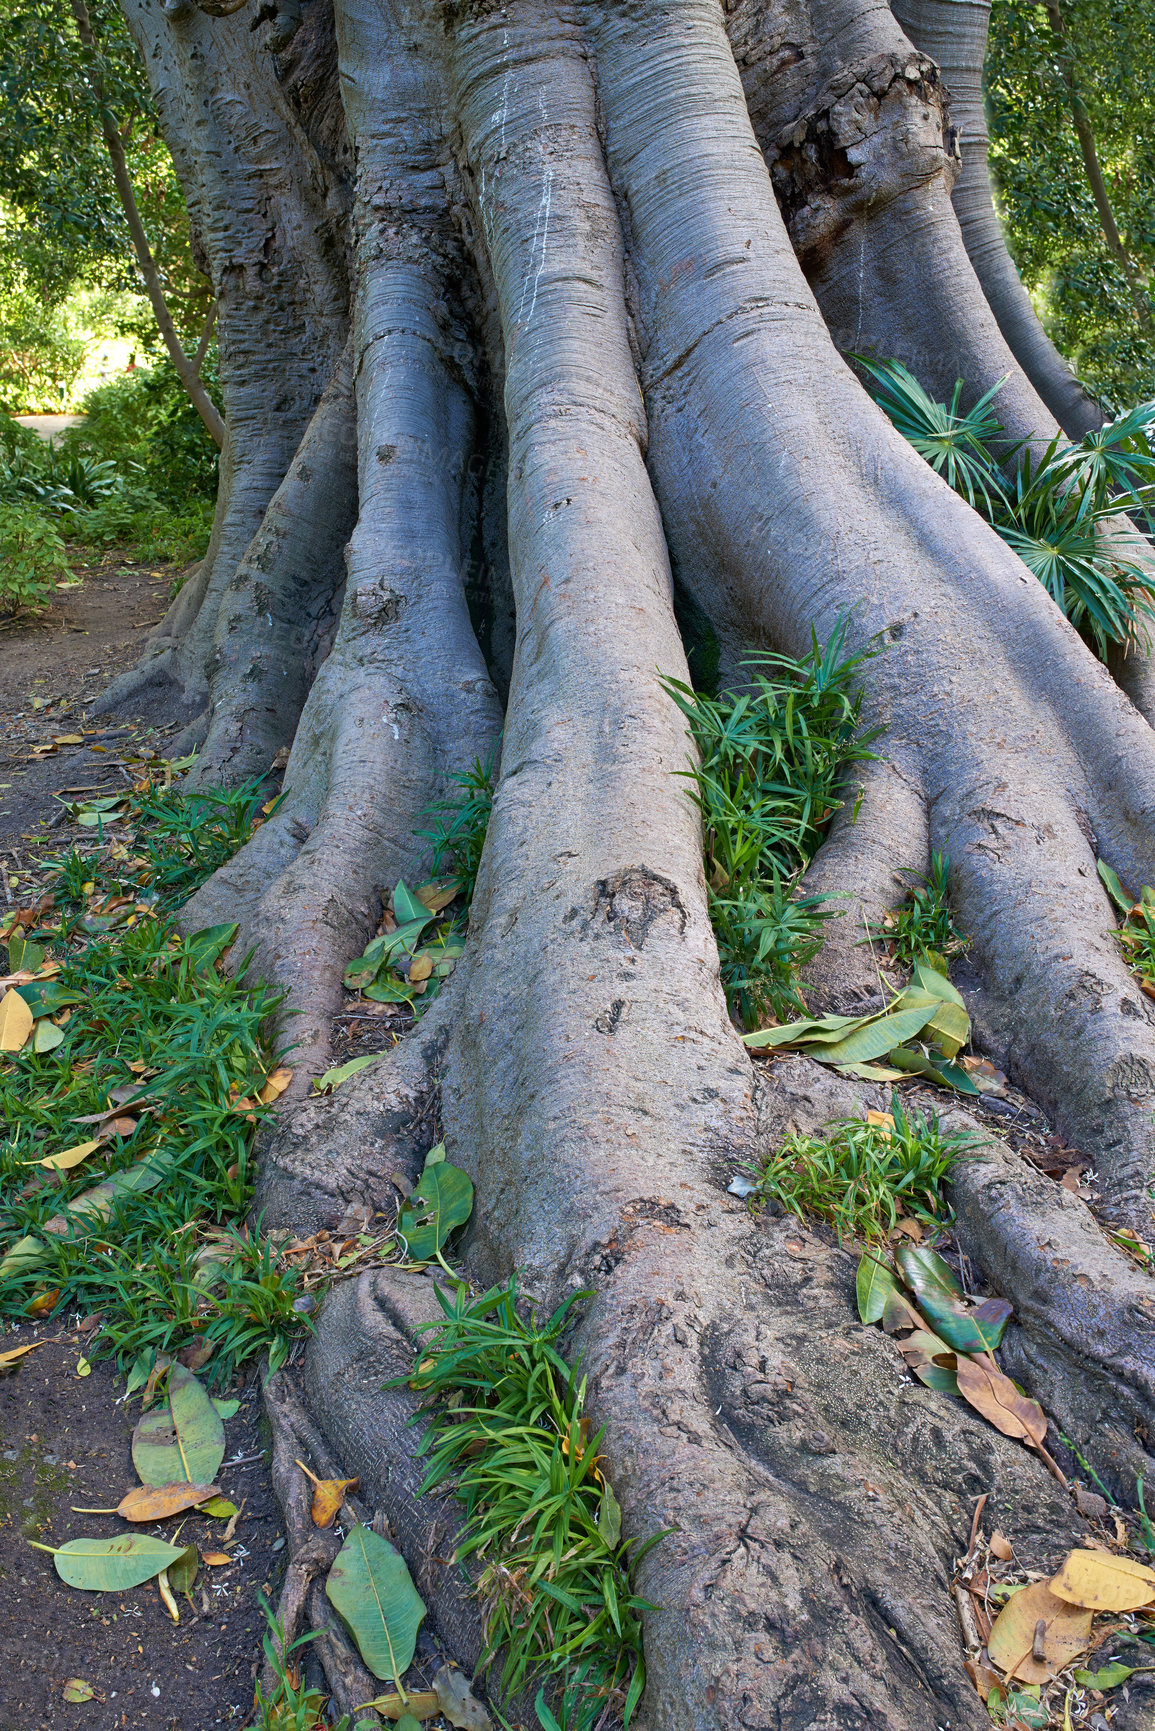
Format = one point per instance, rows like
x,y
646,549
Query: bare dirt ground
x,y
64,1440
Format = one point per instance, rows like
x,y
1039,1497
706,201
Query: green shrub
x,y
32,557
144,422
769,763
462,820
922,928
1055,507
860,1176
509,1432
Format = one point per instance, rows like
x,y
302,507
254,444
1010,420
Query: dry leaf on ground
x,y
216,1558
15,1352
15,1021
275,1086
67,1157
328,1495
1012,1640
154,1502
77,1690
997,1398
1104,1582
1001,1547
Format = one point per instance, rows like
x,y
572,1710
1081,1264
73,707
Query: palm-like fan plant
x,y
1063,512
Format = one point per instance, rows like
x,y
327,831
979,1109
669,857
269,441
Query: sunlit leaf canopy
x,y
1045,200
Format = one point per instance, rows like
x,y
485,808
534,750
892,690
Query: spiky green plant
x,y
766,782
1060,509
543,1528
860,1177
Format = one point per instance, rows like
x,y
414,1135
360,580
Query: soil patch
x,y
53,666
65,1444
64,1440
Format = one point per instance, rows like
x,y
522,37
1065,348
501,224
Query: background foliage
x,y
1045,201
66,263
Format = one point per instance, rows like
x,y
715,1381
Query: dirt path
x,y
64,1441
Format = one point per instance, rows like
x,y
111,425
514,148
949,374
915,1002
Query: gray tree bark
x,y
954,34
565,286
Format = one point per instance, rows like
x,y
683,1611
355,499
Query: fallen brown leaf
x,y
1013,1641
154,1502
983,1678
15,1352
328,1495
275,1086
1001,1547
997,1398
216,1559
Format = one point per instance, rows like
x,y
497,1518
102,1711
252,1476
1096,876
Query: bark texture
x,y
544,353
954,34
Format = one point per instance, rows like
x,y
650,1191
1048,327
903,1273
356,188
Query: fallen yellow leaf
x,y
328,1495
69,739
1104,1582
67,1157
83,1368
216,1558
1015,1637
421,967
422,1703
884,1120
275,1086
15,1021
15,1352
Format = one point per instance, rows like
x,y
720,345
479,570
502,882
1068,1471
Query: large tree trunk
x,y
588,340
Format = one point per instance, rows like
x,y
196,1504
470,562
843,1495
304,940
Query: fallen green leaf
x,y
26,1253
873,1285
183,1572
334,1078
407,907
1115,889
182,1439
111,1565
441,1200
925,1271
372,1591
219,1507
1110,1676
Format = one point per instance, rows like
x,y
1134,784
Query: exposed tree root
x,y
578,191
276,618
954,34
327,1154
267,214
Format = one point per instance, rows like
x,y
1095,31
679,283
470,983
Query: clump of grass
x,y
291,1705
461,822
766,782
923,929
149,1020
1136,935
862,1177
508,1430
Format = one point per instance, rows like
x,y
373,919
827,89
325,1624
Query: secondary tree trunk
x,y
600,262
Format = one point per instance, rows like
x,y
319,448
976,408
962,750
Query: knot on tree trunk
x,y
633,900
876,130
